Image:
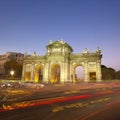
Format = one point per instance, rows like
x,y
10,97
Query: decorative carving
x,y
51,41
34,54
25,55
98,50
86,51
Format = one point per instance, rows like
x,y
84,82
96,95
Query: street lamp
x,y
12,72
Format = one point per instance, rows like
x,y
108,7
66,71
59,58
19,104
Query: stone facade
x,y
59,64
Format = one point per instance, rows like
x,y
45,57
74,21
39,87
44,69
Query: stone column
x,y
62,76
32,72
71,72
66,72
98,72
23,72
46,72
73,75
86,73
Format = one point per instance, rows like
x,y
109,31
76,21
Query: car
x,y
10,85
6,85
2,85
32,85
16,85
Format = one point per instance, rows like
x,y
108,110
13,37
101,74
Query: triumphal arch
x,y
59,63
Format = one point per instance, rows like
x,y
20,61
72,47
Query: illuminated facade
x,y
59,64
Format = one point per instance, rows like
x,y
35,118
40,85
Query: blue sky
x,y
29,25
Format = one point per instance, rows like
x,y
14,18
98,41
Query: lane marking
x,y
70,92
78,105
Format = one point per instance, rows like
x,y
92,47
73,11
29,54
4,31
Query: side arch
x,y
78,72
38,73
28,72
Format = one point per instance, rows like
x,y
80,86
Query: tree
x,y
118,75
108,73
15,66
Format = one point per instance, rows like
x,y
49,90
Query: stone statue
x,y
51,41
86,51
34,54
98,50
25,55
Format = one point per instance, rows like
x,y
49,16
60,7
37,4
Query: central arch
x,y
55,73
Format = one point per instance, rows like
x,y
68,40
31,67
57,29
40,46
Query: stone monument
x,y
59,63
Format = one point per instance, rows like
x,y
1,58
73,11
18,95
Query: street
x,y
100,103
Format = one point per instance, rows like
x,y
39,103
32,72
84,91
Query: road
x,y
86,104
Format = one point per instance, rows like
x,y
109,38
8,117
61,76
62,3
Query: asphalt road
x,y
92,104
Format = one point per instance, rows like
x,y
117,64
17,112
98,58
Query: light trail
x,y
32,103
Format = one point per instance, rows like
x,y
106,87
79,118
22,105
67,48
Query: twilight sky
x,y
29,25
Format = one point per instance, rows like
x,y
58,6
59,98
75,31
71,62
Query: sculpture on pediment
x,y
98,50
86,51
34,54
51,41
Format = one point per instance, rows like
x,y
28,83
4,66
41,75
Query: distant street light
x,y
12,73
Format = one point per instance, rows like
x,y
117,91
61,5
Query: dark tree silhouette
x,y
118,75
108,73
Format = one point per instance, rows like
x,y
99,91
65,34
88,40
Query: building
x,y
7,57
59,64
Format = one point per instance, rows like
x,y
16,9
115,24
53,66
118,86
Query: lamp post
x,y
12,72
